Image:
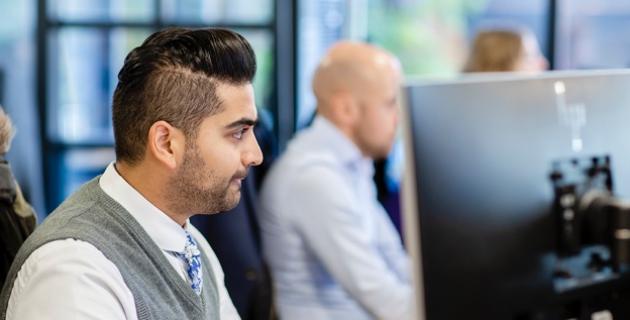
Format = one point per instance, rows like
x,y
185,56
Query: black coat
x,y
17,219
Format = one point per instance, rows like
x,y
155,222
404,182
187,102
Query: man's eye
x,y
238,135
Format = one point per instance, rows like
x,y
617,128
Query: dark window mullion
x,y
58,24
240,26
157,20
284,86
552,20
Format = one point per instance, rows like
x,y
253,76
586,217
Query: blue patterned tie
x,y
191,256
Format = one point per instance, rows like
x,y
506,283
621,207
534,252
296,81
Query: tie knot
x,y
190,249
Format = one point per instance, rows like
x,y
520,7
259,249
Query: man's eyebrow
x,y
242,122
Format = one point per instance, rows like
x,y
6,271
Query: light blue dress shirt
x,y
333,251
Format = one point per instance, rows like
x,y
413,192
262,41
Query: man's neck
x,y
147,183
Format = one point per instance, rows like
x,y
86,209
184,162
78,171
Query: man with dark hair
x,y
121,247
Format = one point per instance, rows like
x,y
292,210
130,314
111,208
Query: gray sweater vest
x,y
159,292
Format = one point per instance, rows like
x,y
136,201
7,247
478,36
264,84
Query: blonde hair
x,y
495,51
6,131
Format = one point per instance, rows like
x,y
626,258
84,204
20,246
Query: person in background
x,y
17,218
332,250
122,247
505,49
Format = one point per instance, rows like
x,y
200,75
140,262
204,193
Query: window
x,y
320,24
593,34
432,37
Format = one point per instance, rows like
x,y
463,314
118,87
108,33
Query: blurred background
x,y
59,59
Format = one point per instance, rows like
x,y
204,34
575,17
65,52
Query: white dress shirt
x,y
332,249
71,279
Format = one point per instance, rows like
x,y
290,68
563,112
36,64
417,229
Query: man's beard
x,y
195,188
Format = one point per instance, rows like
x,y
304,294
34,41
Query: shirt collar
x,y
164,231
341,146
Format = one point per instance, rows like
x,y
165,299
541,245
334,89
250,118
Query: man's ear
x,y
166,144
346,108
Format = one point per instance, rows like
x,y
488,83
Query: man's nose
x,y
253,156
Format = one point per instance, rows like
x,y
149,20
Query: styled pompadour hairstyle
x,y
173,76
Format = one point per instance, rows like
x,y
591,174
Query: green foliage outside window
x,y
428,36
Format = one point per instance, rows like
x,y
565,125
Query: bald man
x,y
332,250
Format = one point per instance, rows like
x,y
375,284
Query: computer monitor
x,y
513,196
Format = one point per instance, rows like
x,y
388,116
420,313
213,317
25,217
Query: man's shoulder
x,y
303,159
77,204
82,217
70,212
64,233
56,253
290,174
319,184
68,271
310,147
